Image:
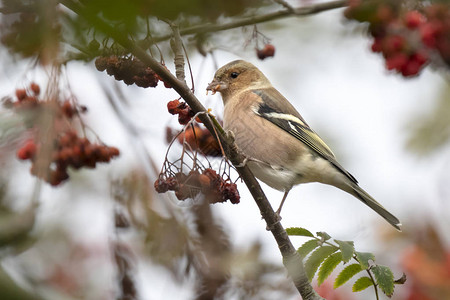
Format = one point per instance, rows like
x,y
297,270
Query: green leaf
x,y
346,274
316,258
325,236
363,258
299,231
362,284
347,249
328,266
384,278
307,247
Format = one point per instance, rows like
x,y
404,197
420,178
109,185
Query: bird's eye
x,y
234,75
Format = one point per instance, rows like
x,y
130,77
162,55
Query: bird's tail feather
x,y
362,195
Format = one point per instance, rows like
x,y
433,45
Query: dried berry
x,y
173,106
161,185
130,70
267,51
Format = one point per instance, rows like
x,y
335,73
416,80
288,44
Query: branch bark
x,y
291,259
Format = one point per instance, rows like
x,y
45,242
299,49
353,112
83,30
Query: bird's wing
x,y
291,122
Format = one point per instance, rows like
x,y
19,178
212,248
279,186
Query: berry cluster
x,y
435,33
184,111
197,138
212,185
27,101
129,69
406,39
69,151
52,156
267,51
31,34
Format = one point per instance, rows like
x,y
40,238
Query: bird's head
x,y
235,77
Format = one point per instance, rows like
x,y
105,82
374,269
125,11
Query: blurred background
x,y
104,233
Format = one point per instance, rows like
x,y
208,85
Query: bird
x,y
280,148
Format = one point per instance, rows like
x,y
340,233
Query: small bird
x,y
281,149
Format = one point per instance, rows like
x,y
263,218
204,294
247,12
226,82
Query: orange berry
x,y
21,94
173,106
35,88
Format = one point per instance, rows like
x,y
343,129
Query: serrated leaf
x,y
307,247
364,257
385,279
328,266
346,274
325,236
299,231
362,284
347,249
316,258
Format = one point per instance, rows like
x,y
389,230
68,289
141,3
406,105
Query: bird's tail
x,y
362,195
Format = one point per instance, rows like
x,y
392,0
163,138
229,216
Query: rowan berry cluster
x,y
52,154
406,38
196,137
129,69
209,183
267,51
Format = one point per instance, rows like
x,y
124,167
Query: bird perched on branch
x,y
281,149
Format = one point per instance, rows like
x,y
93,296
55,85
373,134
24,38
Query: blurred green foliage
x,y
430,131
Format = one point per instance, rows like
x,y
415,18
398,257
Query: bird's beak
x,y
215,86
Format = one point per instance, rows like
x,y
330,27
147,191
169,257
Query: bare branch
x,y
297,12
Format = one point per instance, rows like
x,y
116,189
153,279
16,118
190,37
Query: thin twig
x,y
374,284
286,5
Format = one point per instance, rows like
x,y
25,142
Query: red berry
x,y
411,68
35,88
185,115
113,151
205,182
377,44
67,109
397,61
27,151
267,51
172,183
393,43
173,107
21,94
414,19
420,57
161,185
22,153
428,33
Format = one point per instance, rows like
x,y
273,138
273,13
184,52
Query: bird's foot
x,y
230,136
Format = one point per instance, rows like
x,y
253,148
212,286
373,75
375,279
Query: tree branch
x,y
291,259
296,12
